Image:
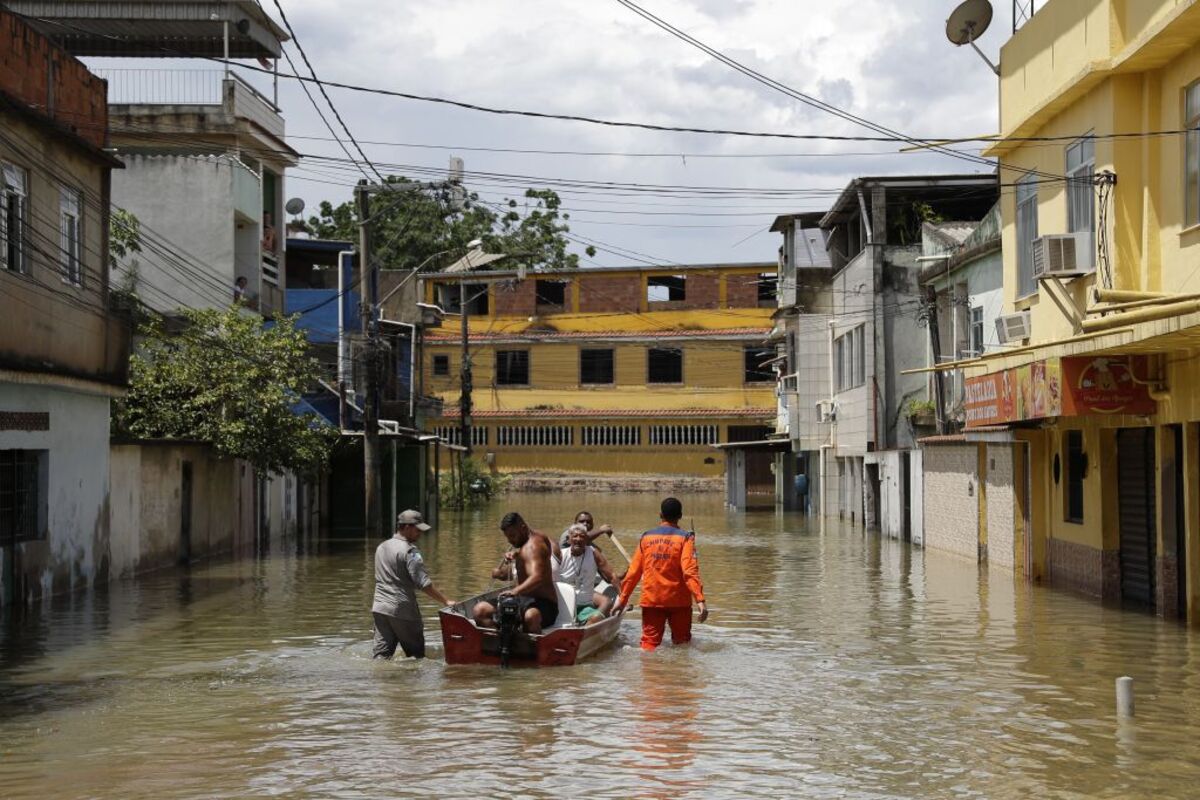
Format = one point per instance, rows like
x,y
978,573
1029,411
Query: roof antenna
x,y
968,23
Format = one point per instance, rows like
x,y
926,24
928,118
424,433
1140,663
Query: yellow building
x,y
626,371
1097,388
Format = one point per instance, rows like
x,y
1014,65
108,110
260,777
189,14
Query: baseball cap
x,y
411,517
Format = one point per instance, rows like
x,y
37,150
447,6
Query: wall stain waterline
x,y
837,665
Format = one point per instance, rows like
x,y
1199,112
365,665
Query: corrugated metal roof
x,y
624,413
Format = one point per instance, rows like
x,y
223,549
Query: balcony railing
x,y
189,87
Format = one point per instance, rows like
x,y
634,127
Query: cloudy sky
x,y
883,60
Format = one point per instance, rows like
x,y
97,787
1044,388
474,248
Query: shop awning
x,y
761,445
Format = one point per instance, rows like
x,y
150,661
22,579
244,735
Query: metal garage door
x,y
1135,481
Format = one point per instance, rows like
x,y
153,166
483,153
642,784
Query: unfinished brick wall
x,y
610,294
515,298
44,78
741,291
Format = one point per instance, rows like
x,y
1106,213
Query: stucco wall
x,y
74,550
951,505
1000,506
198,223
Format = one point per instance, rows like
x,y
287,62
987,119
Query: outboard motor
x,y
508,619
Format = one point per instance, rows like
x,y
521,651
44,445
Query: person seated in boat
x,y
584,518
534,588
581,565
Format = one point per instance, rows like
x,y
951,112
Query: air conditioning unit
x,y
1063,255
1011,328
826,411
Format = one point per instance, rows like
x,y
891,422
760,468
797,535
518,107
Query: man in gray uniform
x,y
399,572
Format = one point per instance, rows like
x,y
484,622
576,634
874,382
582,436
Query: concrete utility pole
x,y
369,288
464,403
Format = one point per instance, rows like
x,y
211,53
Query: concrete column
x,y
1166,562
981,497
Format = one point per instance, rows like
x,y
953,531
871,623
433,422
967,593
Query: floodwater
x,y
833,665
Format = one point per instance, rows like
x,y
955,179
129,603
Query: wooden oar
x,y
620,549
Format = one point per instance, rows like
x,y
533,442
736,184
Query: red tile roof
x,y
557,413
650,334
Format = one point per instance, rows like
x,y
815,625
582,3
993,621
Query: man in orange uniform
x,y
666,557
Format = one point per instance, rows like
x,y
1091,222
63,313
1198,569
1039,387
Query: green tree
x,y
232,381
412,225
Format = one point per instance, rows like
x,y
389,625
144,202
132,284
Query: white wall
x,y
951,499
1000,506
188,200
74,552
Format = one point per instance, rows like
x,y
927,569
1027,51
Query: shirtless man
x,y
534,589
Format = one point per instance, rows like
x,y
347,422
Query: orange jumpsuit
x,y
666,558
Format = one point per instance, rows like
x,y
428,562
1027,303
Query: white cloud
x,y
883,60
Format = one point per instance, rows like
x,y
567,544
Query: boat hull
x,y
463,642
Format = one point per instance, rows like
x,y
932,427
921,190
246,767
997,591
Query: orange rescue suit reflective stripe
x,y
666,559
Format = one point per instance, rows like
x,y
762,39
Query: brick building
x,y
633,370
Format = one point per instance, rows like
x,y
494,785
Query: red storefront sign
x,y
1074,386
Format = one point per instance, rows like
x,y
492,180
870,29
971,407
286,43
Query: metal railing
x,y
202,87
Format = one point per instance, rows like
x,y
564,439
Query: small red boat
x,y
561,645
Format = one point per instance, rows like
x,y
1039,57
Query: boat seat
x,y
566,605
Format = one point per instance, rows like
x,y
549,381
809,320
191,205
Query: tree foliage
x,y
228,380
411,227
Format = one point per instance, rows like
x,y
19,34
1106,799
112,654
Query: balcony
x,y
140,98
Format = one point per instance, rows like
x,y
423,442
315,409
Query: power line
x,y
320,85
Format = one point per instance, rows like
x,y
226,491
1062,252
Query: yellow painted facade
x,y
558,417
1118,70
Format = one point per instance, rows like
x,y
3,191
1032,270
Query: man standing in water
x,y
534,590
399,572
666,557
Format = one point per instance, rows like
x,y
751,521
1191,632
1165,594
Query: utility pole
x,y
935,342
368,291
464,403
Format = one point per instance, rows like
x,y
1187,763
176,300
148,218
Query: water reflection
x,y
833,665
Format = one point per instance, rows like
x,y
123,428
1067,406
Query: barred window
x,y
535,436
611,435
683,434
452,434
22,494
596,367
13,199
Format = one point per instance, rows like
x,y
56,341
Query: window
x,y
664,365
1076,466
13,199
1027,231
683,434
756,370
975,337
512,367
70,230
791,353
596,367
611,435
22,494
535,436
860,357
850,360
666,288
441,365
768,286
1191,173
551,295
1081,194
453,434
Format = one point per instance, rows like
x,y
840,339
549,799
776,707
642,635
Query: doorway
x,y
185,514
1137,508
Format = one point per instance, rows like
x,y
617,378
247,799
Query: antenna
x,y
295,206
968,23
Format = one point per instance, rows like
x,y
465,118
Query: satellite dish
x,y
295,206
968,23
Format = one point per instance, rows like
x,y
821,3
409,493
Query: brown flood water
x,y
832,666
